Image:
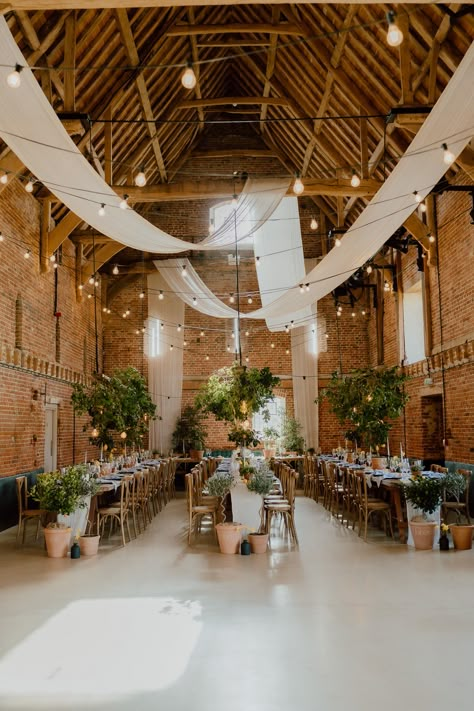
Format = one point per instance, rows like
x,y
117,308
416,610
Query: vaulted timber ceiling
x,y
280,68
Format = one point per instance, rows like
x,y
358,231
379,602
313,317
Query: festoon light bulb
x,y
298,187
394,33
355,180
188,77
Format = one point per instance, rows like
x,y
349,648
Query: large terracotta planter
x,y
378,462
229,536
89,545
196,454
57,541
269,453
258,542
423,533
462,536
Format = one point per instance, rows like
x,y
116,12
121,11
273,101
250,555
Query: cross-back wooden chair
x,y
459,506
196,512
117,514
24,513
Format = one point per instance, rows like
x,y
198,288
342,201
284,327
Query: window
x,y
224,212
153,335
413,321
277,409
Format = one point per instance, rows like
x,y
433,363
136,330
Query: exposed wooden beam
x,y
197,68
284,28
11,165
62,231
405,60
466,161
44,235
225,100
235,153
221,189
88,237
134,59
233,43
364,149
70,62
79,259
419,230
431,61
102,255
271,59
112,4
108,147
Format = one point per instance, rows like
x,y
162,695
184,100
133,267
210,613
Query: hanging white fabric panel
x,y
304,362
279,247
165,365
188,285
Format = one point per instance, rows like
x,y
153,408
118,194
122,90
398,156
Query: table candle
x,y
388,448
85,457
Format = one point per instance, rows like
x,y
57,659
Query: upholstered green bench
x,y
8,500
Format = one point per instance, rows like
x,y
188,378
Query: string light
x,y
314,224
127,312
423,207
353,314
123,435
179,328
207,357
257,261
184,271
247,359
30,185
250,300
232,335
161,296
394,33
287,351
109,311
355,180
115,270
124,315
171,347
228,349
363,312
292,324
298,187
104,309
338,313
202,333
80,287
162,325
102,210
52,258
55,265
124,203
369,269
185,343
337,242
137,332
194,301
27,254
272,345
89,296
188,77
417,196
247,333
386,285
301,289
141,295
14,78
326,335
234,200
231,299
4,179
140,178
143,329
287,330
448,156
91,280
432,238
94,432
96,283
306,286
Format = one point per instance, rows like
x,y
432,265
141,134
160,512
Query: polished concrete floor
x,y
337,624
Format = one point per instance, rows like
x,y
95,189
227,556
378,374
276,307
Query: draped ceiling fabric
x,y
29,125
165,369
191,285
304,362
279,245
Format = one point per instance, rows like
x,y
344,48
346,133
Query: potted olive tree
x,y
260,482
292,439
189,434
62,495
425,494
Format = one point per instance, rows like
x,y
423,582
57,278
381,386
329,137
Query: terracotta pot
x,y
423,533
258,542
462,536
379,463
269,453
229,536
349,457
89,545
57,541
196,453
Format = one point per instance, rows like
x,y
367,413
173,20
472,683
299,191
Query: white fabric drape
x,y
191,285
255,205
279,246
165,366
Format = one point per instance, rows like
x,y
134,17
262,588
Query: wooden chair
x,y
336,490
118,514
459,506
368,506
285,508
439,469
24,513
197,512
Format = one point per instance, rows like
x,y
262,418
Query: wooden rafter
x,y
271,59
70,63
285,28
197,68
405,60
224,100
134,59
102,254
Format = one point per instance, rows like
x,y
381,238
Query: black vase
x,y
245,548
444,543
75,551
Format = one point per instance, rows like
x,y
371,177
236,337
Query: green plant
x,y
270,434
454,485
233,393
220,484
115,404
292,440
189,432
364,400
245,437
425,493
246,469
261,482
64,493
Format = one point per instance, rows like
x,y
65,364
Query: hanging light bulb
x,y
250,300
141,295
234,200
4,179
369,269
448,156
202,333
143,329
386,285
301,289
95,432
91,280
55,265
339,308
140,178
104,309
272,345
171,347
232,335
314,224
207,357
292,324
287,330
179,328
394,33
353,314
287,351
363,312
417,196
355,180
137,332
184,271
161,296
257,261
423,206
115,270
27,254
127,312
185,343
188,77
96,283
337,242
228,349
247,333
247,359
89,296
162,325
123,435
338,313
306,286
102,210
326,335
14,78
30,185
194,301
109,311
432,238
298,187
52,258
124,315
231,299
124,203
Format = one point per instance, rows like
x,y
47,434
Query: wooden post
x,y
44,235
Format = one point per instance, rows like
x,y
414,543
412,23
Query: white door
x,y
50,437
